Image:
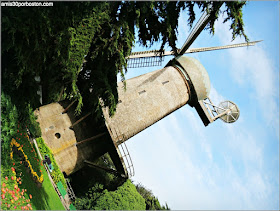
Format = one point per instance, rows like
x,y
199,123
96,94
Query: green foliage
x,y
56,173
95,176
11,116
125,197
9,121
234,13
151,201
81,46
31,122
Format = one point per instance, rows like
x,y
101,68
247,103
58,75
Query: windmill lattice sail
x,y
152,58
145,62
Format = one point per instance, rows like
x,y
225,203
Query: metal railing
x,y
70,191
127,159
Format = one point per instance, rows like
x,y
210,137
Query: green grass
x,y
44,198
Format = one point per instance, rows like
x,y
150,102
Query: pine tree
x,y
75,47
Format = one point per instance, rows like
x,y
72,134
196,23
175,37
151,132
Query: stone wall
x,y
147,99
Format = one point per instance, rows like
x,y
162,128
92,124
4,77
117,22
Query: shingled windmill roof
x,y
197,74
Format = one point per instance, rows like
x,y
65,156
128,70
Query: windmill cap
x,y
197,74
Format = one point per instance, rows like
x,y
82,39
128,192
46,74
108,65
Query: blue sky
x,y
221,166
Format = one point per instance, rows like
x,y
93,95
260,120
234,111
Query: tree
x,y
75,47
151,201
125,197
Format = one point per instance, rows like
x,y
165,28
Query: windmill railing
x,y
70,191
127,159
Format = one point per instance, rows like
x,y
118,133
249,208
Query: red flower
x,y
6,178
30,196
3,196
13,169
12,177
13,164
3,184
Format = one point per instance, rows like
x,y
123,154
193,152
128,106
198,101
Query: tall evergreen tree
x,y
54,43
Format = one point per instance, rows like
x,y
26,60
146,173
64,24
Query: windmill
x,y
209,112
152,96
148,98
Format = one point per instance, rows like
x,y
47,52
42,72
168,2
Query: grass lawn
x,y
44,198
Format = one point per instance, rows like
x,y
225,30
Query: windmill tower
x,y
147,99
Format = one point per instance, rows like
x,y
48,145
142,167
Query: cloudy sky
x,y
221,166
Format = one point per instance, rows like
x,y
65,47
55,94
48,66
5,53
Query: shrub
x,y
125,197
9,121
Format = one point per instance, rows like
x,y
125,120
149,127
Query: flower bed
x,y
12,197
31,167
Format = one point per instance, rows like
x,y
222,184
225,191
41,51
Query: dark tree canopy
x,y
54,43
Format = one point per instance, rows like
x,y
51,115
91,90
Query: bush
x,y
125,197
56,173
9,121
31,122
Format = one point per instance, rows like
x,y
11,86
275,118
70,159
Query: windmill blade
x,y
136,60
144,61
196,50
156,53
199,26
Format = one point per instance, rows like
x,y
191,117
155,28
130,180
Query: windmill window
x,y
119,101
57,135
165,82
141,92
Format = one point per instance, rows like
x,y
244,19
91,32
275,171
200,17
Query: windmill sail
x,y
152,58
155,58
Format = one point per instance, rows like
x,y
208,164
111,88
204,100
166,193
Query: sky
x,y
221,166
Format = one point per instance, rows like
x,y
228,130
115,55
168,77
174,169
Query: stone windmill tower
x,y
148,98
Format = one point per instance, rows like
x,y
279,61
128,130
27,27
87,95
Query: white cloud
x,y
252,67
222,166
